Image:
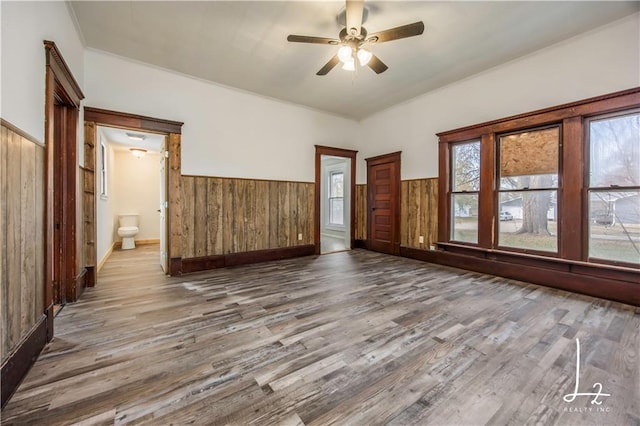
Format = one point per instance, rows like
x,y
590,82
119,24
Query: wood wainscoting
x,y
418,213
223,218
22,307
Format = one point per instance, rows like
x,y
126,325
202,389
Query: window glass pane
x,y
529,159
336,185
466,167
528,220
615,151
464,226
336,211
614,225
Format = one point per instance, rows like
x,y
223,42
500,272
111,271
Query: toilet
x,y
128,229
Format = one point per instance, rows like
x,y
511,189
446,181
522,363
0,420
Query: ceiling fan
x,y
353,40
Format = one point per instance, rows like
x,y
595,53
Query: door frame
x,y
335,152
172,130
393,157
62,93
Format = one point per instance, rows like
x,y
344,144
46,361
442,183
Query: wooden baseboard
x,y
20,361
363,244
616,286
107,254
118,244
195,264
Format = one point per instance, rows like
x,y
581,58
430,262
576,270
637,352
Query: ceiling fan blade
x,y
404,31
377,65
354,15
329,66
311,39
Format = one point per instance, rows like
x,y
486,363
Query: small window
x,y
336,198
465,166
528,199
103,170
614,188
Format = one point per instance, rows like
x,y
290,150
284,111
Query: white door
x,y
163,211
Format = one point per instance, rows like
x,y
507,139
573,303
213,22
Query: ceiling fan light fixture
x,y
345,54
349,65
364,56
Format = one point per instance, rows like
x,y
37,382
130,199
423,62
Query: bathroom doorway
x,y
131,181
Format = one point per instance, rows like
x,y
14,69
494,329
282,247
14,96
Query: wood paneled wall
x,y
225,215
361,212
21,237
419,212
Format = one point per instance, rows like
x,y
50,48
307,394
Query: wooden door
x,y
383,195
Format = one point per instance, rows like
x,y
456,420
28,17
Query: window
x,y
465,166
528,190
336,198
103,170
614,188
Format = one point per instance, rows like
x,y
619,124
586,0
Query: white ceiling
x,y
121,142
243,44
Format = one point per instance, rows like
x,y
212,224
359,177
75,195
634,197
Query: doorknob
x,y
373,208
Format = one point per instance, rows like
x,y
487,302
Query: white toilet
x,y
128,229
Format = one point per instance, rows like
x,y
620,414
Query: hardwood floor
x,y
354,338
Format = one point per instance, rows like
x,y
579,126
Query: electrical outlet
x,y
432,247
421,239
299,237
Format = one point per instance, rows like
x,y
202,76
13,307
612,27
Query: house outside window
x,y
103,170
528,189
465,184
614,188
336,198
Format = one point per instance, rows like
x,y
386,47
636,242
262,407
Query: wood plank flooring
x,y
353,338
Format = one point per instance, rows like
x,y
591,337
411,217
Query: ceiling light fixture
x,y
348,55
136,136
138,152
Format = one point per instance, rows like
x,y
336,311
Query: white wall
x,y
598,62
24,27
136,189
105,209
227,132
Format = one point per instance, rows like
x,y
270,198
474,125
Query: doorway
x,y
335,204
335,199
170,177
132,187
383,199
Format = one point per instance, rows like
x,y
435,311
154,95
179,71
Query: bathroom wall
x,y
136,189
105,210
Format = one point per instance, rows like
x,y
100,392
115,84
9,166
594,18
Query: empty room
x,y
320,212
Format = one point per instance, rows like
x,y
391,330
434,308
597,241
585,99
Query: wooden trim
x,y
393,157
175,266
487,230
444,186
570,197
118,244
596,105
64,76
132,121
20,361
106,256
621,287
15,129
361,244
336,152
196,264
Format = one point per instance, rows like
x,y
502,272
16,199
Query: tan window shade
x,y
530,153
